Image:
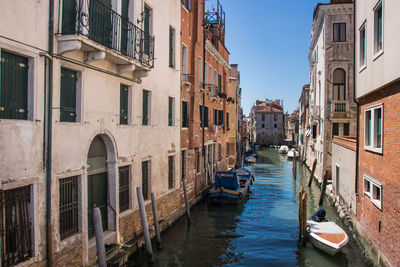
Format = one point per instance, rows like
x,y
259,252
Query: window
x,y
362,46
335,129
68,95
263,117
227,149
314,131
68,207
171,48
204,116
263,125
146,179
339,84
373,190
275,117
184,67
220,117
171,111
378,29
146,28
171,160
124,201
146,107
14,86
339,32
275,125
185,114
219,84
227,120
215,116
16,225
197,152
123,104
200,72
183,164
346,129
68,17
373,128
206,74
215,78
187,4
219,151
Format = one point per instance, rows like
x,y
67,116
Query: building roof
x,y
264,106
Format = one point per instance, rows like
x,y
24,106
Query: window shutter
x,y
206,112
68,95
219,84
346,131
170,111
335,32
342,32
123,104
335,129
190,5
185,114
227,120
215,117
171,43
145,109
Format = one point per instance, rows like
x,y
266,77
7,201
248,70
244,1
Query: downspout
x,y
204,73
356,101
49,137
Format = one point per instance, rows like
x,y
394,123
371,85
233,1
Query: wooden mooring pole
x,y
145,226
186,199
323,188
98,230
303,215
294,165
155,217
312,172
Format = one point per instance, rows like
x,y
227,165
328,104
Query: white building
x,y
111,91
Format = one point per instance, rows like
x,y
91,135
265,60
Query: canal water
x,y
262,231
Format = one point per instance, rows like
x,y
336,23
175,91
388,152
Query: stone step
x,y
117,260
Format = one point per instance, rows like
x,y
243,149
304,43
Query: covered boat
x,y
327,236
283,150
250,159
231,186
292,152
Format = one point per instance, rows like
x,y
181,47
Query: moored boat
x,y
250,159
231,186
292,152
283,150
325,235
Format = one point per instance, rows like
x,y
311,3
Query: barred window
x,y
171,160
68,207
146,179
124,188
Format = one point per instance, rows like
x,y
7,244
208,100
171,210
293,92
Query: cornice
x,y
214,52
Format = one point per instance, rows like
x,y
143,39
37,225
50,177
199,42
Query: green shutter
x,y
14,86
123,104
369,126
170,119
185,114
146,29
124,26
171,48
145,175
100,25
69,12
145,109
227,120
219,84
68,95
206,112
215,117
170,171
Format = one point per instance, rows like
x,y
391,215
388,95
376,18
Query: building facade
x,y
87,123
378,94
268,119
304,129
292,128
332,109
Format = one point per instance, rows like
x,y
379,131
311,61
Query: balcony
x,y
339,108
187,80
96,29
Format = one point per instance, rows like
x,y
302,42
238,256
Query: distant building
x,y
331,95
267,121
292,128
304,130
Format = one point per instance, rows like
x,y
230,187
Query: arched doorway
x,y
97,183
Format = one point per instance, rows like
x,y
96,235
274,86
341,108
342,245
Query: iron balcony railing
x,y
98,22
187,78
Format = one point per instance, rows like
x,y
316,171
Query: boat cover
x,y
226,179
319,216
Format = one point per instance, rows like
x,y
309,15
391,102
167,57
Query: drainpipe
x,y
356,101
49,137
204,73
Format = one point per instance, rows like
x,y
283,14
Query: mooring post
x,y
312,172
294,165
145,226
98,231
155,217
302,215
186,199
323,189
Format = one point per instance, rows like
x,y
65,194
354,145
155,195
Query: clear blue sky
x,y
270,40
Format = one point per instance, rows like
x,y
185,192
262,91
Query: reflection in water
x,y
263,231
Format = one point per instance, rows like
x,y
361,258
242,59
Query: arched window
x,y
339,84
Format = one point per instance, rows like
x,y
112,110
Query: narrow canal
x,y
263,231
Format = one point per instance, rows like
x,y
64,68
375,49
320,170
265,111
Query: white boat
x,y
292,152
327,236
250,159
283,150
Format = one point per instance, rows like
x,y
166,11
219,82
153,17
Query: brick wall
x,y
384,168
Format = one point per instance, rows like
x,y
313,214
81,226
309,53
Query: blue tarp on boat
x,y
226,179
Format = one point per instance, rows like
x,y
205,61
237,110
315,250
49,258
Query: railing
x,y
338,106
100,23
187,78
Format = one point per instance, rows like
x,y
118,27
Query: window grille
x,y
123,188
68,207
